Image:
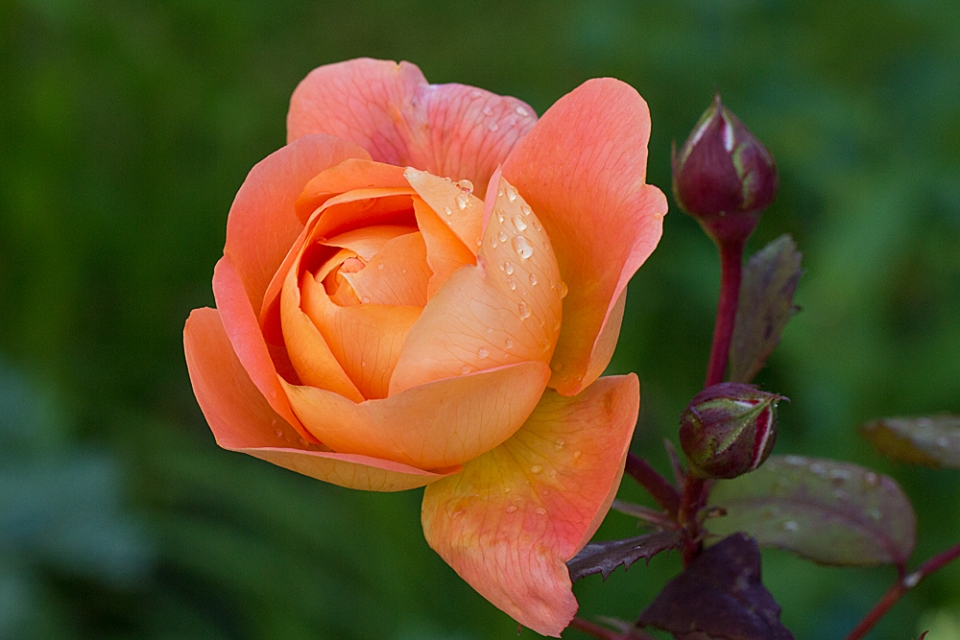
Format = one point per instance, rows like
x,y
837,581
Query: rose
x,y
380,326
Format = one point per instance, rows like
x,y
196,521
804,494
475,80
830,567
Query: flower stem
x,y
900,588
694,495
603,633
731,264
656,485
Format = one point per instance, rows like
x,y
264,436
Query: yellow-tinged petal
x,y
242,420
582,169
433,426
397,274
510,521
503,310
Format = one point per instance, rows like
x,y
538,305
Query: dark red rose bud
x,y
723,176
729,429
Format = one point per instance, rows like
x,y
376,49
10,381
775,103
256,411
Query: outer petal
x,y
504,310
433,426
391,111
263,223
582,170
242,420
513,518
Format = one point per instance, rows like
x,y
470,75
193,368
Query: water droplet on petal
x,y
537,225
380,266
553,473
508,268
535,469
365,299
562,288
540,511
493,126
447,211
524,310
519,223
487,111
533,280
463,200
511,284
456,514
500,217
525,209
577,454
278,433
502,236
522,246
493,243
475,93
508,344
559,444
511,508
466,186
874,514
465,369
511,193
482,352
871,479
522,112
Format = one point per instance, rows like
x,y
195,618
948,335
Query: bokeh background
x,y
127,127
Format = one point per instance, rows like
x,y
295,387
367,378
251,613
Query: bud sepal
x,y
729,429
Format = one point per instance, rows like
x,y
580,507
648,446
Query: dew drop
x,y
512,121
463,200
363,363
456,514
493,126
493,243
871,479
553,473
790,525
500,265
482,352
502,236
522,246
577,454
511,284
537,225
562,288
508,344
475,93
511,508
403,270
511,193
874,514
448,211
500,192
525,209
500,217
556,325
535,469
278,433
465,369
524,310
519,223
522,112
559,444
466,186
533,280
540,511
380,266
487,111
508,268
365,299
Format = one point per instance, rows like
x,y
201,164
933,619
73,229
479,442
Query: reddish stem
x,y
694,496
656,485
901,587
731,264
603,633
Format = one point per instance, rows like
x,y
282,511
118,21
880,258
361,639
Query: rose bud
x,y
723,176
729,429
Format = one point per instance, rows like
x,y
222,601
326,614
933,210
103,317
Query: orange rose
x,y
380,326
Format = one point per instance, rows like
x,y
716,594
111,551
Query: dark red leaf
x,y
720,595
604,557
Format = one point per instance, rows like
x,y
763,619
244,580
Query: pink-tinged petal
x,y
582,170
263,223
456,205
445,251
241,327
311,355
346,176
397,275
242,420
513,518
365,339
434,426
391,111
504,310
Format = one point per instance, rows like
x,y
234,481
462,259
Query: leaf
x,y
604,557
765,305
823,510
720,595
933,441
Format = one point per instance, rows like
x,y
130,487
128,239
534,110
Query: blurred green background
x,y
126,129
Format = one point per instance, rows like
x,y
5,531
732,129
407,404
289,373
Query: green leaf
x,y
827,511
766,304
933,441
605,557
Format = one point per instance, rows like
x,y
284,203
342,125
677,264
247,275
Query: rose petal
x,y
390,110
242,420
396,275
262,223
433,426
582,170
504,310
365,339
445,251
346,176
465,209
512,519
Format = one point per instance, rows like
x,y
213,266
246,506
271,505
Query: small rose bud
x,y
729,429
723,176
